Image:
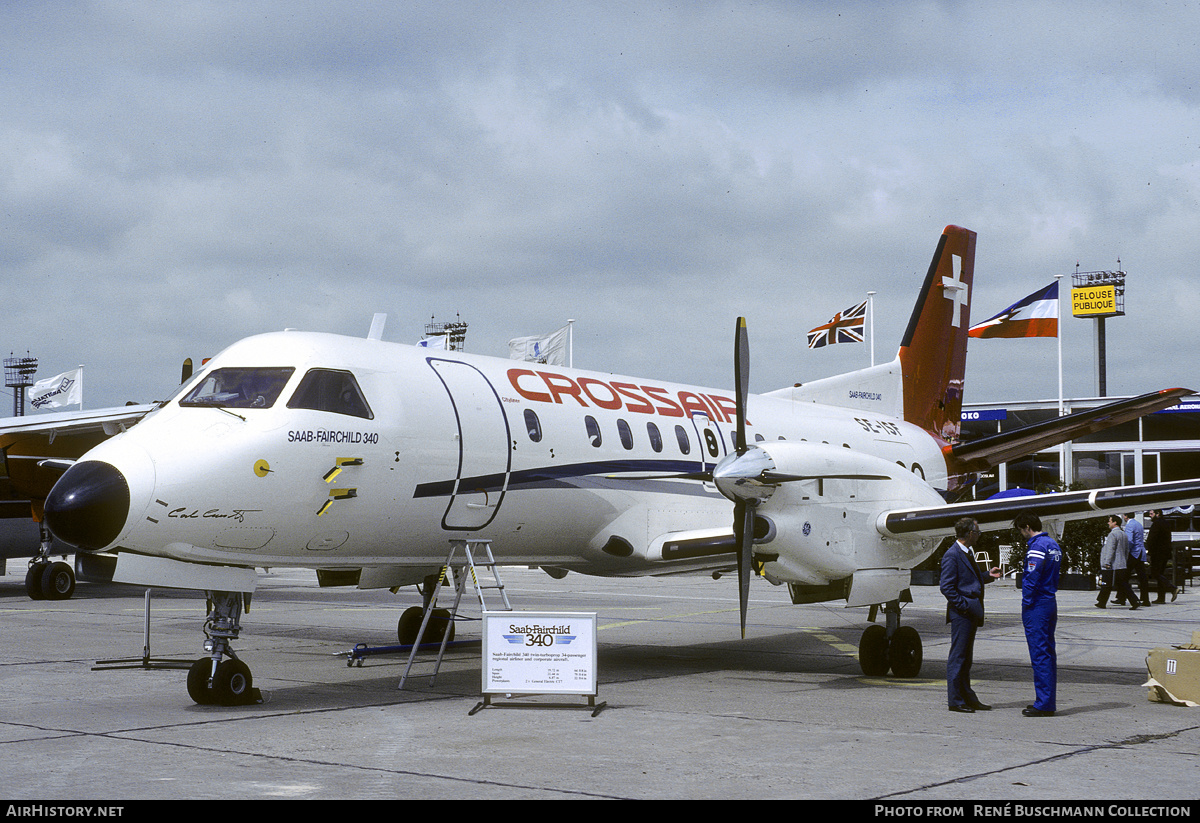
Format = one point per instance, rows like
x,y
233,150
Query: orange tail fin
x,y
933,354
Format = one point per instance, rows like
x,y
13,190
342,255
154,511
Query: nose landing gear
x,y
221,678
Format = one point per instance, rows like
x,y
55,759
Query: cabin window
x,y
239,388
625,433
331,390
655,436
593,431
681,435
714,448
533,426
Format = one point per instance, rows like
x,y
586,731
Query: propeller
x,y
748,476
743,509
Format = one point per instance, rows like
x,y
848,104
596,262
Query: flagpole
x,y
871,322
1068,468
1058,281
570,344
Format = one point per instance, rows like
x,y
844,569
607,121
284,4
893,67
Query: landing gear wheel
x,y
33,581
197,682
873,651
440,624
58,581
904,652
232,684
409,625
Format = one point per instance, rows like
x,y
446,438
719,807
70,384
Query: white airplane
x,y
354,455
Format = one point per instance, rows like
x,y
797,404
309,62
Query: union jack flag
x,y
845,327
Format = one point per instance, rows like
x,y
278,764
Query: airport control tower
x,y
18,376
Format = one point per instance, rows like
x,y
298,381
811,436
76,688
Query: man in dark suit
x,y
962,584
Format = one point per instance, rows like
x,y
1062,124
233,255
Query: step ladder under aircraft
x,y
463,563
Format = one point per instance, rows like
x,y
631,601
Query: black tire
x,y
33,581
873,651
904,652
440,624
197,682
233,683
409,625
58,581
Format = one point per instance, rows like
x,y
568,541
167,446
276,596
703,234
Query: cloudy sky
x,y
178,175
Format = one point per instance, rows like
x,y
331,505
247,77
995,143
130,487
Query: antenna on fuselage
x,y
378,321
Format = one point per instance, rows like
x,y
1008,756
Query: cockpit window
x,y
239,388
331,391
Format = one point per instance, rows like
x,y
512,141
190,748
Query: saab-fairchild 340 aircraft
x,y
338,453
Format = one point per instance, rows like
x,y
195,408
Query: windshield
x,y
331,390
242,388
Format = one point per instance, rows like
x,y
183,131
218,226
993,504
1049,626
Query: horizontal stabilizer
x,y
998,513
1000,448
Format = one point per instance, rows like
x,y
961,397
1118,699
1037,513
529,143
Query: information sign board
x,y
1094,301
539,652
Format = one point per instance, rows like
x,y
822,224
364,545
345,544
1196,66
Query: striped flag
x,y
845,327
1035,316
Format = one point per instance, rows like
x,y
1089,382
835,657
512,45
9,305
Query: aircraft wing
x,y
1000,448
36,449
98,421
998,513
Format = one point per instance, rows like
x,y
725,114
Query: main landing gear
x,y
440,620
47,579
893,647
221,678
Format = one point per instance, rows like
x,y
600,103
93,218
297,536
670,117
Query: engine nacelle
x,y
823,512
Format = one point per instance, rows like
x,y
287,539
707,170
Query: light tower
x,y
18,375
455,333
1099,295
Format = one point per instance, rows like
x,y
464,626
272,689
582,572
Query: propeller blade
x,y
779,477
743,527
741,379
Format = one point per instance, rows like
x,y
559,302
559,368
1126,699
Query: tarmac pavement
x,y
692,711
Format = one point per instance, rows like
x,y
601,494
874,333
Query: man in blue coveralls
x,y
1039,610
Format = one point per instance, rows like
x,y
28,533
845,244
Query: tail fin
x,y
933,354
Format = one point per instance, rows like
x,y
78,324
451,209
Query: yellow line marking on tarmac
x,y
663,617
897,681
831,640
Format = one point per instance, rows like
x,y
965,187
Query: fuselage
x,y
317,450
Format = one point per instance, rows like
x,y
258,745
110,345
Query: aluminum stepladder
x,y
460,570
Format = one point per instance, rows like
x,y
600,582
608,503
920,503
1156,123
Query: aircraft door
x,y
712,445
484,458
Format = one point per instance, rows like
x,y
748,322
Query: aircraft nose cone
x,y
88,505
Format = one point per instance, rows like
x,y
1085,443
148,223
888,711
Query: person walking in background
x,y
1158,546
1114,569
1135,534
